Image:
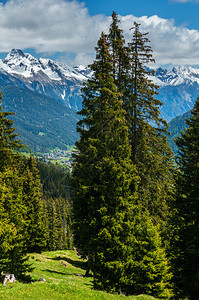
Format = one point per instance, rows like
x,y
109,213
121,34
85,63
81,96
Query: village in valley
x,y
58,156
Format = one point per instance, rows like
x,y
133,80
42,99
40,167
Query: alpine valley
x,y
45,95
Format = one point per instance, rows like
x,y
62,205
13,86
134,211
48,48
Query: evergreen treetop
x,y
119,54
8,141
8,137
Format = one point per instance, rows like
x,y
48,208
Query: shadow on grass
x,y
76,263
53,271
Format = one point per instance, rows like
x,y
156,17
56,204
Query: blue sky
x,y
183,12
67,30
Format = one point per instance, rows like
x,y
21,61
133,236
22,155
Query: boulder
x,y
8,277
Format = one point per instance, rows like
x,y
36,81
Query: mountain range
x,y
179,89
45,95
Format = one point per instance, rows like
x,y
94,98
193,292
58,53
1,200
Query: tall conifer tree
x,y
16,200
11,193
187,206
122,243
35,230
54,227
102,171
119,55
150,150
14,259
8,230
8,136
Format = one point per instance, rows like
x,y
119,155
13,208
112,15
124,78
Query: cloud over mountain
x,y
66,26
171,44
49,26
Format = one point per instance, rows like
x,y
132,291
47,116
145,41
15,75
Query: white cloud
x,y
171,44
49,25
66,26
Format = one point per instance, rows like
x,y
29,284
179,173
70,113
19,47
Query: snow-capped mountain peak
x,y
19,63
178,75
24,64
83,70
14,53
45,76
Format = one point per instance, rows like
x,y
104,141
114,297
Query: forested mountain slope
x,y
42,122
177,125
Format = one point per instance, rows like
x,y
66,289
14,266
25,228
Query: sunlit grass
x,y
62,271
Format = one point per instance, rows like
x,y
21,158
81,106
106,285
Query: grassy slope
x,y
62,281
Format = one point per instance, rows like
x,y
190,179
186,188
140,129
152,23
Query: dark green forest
x,y
35,210
130,206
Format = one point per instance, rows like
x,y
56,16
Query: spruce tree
x,y
187,205
64,213
147,268
54,226
109,225
119,55
14,258
46,221
150,150
13,211
102,173
8,141
8,230
35,230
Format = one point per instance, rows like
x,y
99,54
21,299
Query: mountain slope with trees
x,y
43,122
177,125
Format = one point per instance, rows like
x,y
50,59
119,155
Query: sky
x,y
68,30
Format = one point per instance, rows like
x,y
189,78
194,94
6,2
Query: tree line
x,y
34,215
135,208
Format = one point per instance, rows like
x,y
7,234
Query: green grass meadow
x,y
63,271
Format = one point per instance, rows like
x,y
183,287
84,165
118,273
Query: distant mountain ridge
x,y
36,90
176,126
177,76
46,77
178,91
38,81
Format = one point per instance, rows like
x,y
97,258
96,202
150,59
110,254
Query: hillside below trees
x,y
64,274
177,125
